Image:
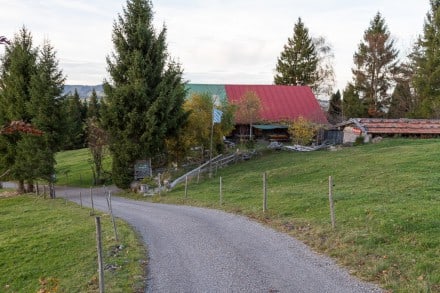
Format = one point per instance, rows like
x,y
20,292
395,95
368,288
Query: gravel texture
x,y
202,250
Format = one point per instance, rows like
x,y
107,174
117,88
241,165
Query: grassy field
x,y
74,168
47,244
387,201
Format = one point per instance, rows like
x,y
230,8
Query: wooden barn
x,y
279,104
374,127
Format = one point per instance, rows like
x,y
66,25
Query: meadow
x,y
387,206
50,246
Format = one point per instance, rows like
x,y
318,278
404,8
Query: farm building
x,y
278,104
373,127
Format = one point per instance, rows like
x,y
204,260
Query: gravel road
x,y
202,250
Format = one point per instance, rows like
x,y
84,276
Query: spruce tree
x,y
298,61
93,106
74,137
404,102
18,67
427,59
46,97
375,65
144,97
352,106
31,86
335,109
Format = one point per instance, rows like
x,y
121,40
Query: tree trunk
x,y
30,186
20,188
51,190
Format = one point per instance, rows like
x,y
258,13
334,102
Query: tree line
x,y
382,85
144,113
31,86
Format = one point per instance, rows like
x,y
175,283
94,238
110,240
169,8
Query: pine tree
x,y
375,66
404,103
46,108
352,106
46,101
335,109
93,106
427,59
298,61
74,137
31,89
18,67
143,103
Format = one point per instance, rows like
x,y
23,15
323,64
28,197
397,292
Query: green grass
x,y
54,240
74,168
387,201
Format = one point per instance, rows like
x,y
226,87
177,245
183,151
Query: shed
x,y
371,127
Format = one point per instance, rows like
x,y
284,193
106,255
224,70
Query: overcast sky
x,y
216,41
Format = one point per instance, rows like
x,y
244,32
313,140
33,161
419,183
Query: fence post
x,y
91,199
159,183
100,260
186,186
330,198
80,199
264,192
110,208
221,191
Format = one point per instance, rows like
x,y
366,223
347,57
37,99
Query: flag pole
x,y
212,135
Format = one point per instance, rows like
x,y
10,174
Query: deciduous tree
x,y
302,131
248,110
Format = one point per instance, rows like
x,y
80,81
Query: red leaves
x,y
20,126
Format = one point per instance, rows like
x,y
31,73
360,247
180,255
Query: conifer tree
x,y
31,86
18,67
46,109
74,112
93,106
427,70
144,97
335,109
375,65
352,106
404,102
298,61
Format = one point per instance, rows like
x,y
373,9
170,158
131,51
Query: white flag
x,y
217,116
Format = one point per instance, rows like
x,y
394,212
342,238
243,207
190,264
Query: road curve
x,y
202,250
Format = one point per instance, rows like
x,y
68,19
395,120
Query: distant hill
x,y
84,91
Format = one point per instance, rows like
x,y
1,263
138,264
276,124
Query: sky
x,y
215,41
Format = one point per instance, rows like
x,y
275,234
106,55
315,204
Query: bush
x,y
359,140
302,131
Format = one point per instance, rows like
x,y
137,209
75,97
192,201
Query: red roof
x,y
400,126
280,102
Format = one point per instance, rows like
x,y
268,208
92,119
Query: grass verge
x,y
51,244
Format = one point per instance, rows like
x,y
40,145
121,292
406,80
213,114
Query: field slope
x,y
387,201
50,245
